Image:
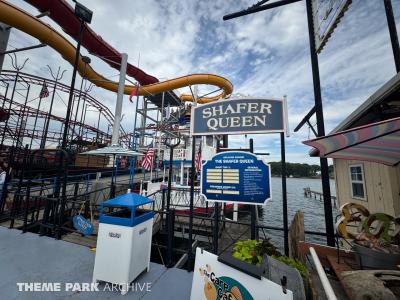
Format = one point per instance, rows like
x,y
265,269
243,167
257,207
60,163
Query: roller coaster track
x,y
18,110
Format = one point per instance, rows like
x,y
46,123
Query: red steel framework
x,y
23,122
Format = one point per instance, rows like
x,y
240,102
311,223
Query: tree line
x,y
298,169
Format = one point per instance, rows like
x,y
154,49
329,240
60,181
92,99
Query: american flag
x,y
44,92
148,159
198,160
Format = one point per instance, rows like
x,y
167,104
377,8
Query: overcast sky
x,y
265,54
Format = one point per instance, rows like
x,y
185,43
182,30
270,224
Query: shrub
x,y
253,252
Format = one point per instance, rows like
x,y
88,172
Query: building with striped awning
x,y
365,149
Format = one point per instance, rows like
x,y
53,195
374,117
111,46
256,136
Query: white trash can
x,y
124,239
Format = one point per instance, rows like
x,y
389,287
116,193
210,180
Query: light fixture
x,y
83,13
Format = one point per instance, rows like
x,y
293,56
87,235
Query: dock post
x,y
296,234
170,236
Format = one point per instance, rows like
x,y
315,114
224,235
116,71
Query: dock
x,y
308,193
26,258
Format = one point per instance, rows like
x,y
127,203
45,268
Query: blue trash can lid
x,y
128,200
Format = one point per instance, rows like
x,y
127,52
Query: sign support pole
x,y
216,210
171,157
192,174
284,196
253,208
318,104
393,33
326,189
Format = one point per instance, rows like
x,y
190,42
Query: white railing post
x,y
322,276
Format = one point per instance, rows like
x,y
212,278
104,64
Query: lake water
x,y
313,209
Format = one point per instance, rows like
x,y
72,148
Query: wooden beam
x,y
324,251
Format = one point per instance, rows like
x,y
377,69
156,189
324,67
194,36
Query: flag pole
x,y
160,131
151,169
133,159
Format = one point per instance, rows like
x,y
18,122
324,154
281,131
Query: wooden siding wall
x,y
382,186
91,161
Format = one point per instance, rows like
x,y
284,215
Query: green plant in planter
x,y
247,251
252,251
293,263
266,247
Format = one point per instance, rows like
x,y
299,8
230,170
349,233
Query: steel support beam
x,y
22,49
326,189
255,9
120,96
4,36
393,33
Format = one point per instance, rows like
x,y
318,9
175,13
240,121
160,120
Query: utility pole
x,y
120,97
85,16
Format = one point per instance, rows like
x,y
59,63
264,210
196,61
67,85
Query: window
x,y
357,181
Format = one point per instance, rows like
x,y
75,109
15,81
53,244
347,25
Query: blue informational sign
x,y
82,225
238,116
236,176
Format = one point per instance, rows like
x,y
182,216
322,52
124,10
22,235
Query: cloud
x,y
265,54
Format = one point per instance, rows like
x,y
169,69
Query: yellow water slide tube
x,y
15,17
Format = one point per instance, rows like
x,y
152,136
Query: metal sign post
x,y
317,94
192,174
237,176
171,156
326,189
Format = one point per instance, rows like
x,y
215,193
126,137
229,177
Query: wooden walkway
x,y
32,258
308,193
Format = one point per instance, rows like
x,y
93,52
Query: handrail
x,y
330,294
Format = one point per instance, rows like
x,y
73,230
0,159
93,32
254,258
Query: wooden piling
x,y
296,234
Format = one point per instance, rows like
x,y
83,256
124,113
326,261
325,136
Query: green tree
x,y
297,169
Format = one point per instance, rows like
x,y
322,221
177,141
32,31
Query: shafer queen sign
x,y
239,116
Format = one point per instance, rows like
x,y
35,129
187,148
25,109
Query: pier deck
x,y
308,193
31,258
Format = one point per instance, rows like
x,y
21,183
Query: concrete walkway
x,y
29,258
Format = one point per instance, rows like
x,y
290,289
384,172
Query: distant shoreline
x,y
276,176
